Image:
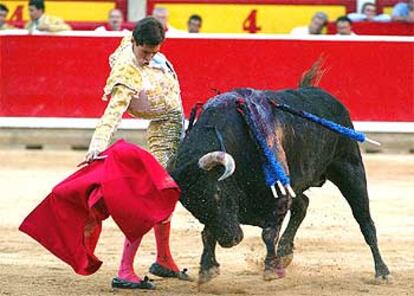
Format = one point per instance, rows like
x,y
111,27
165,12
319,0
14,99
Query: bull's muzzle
x,y
212,159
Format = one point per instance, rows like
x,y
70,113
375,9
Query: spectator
x,y
369,13
194,24
317,24
344,26
3,16
161,14
39,21
403,12
115,22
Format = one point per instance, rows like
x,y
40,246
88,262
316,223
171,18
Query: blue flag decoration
x,y
337,128
272,169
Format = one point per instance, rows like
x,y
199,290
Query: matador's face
x,y
144,53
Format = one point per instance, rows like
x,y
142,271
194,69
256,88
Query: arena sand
x,y
331,256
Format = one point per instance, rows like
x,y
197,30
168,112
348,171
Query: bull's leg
x,y
270,236
298,212
349,176
209,267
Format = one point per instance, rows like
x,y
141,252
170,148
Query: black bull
x,y
313,155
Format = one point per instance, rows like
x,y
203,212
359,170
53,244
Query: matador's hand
x,y
93,154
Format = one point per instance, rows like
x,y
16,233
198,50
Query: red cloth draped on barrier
x,y
129,185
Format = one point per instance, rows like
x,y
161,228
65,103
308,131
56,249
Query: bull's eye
x,y
216,197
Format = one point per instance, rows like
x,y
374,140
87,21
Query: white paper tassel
x,y
281,188
372,142
274,191
290,190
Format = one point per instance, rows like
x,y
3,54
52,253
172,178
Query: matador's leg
x,y
163,140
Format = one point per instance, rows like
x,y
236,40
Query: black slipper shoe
x,y
158,270
145,284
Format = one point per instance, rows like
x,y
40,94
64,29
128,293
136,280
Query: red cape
x,y
129,185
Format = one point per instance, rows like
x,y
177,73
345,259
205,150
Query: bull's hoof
x,y
205,276
273,274
285,260
383,279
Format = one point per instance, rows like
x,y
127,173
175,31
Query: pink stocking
x,y
162,237
126,268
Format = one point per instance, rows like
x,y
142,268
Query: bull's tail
x,y
313,76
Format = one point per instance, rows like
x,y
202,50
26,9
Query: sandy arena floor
x,y
331,256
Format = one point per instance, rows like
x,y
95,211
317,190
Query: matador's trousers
x,y
164,136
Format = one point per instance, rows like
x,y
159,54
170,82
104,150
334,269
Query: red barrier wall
x,y
61,76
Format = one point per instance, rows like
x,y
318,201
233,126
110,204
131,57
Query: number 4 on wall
x,y
17,15
249,23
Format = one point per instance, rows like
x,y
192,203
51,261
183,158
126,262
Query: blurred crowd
x,y
402,12
40,21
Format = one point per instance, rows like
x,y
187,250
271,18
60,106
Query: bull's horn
x,y
210,160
